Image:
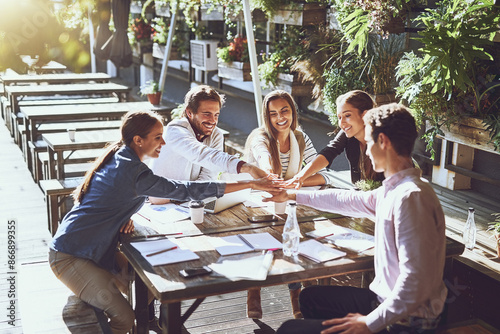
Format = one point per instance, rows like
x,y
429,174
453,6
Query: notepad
x,y
244,243
171,256
345,238
318,252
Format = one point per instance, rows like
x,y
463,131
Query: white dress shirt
x,y
410,244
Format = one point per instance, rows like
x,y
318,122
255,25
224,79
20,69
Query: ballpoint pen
x,y
324,236
144,237
162,251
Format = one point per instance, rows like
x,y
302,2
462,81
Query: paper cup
x,y
71,134
197,211
279,208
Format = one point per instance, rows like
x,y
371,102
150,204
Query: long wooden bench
x,y
475,326
56,192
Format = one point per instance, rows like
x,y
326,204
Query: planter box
x,y
136,7
162,9
331,19
211,13
470,132
140,48
236,70
301,14
291,84
159,52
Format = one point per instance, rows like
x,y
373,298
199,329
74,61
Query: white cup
x,y
197,211
279,208
71,134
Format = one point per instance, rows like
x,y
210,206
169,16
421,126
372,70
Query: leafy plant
x,y
160,30
495,225
290,48
237,50
367,185
151,87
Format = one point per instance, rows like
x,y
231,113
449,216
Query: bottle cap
x,y
292,203
196,204
471,209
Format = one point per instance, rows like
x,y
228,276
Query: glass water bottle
x,y
291,232
469,235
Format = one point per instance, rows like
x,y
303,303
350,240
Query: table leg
x,y
52,163
60,165
141,306
171,318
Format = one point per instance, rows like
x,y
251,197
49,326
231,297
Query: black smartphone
x,y
265,218
191,272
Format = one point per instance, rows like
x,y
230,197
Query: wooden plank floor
x,y
21,199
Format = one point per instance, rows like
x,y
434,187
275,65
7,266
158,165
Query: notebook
x,y
319,252
243,243
215,205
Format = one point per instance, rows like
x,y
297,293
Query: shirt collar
x,y
394,179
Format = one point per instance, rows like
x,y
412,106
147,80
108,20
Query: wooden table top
x,y
60,141
53,78
167,284
71,111
80,88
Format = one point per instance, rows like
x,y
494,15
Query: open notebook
x,y
243,243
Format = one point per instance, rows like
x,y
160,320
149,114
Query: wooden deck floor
x,y
22,200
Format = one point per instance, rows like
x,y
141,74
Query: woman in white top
x,y
279,147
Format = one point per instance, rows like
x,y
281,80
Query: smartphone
x,y
191,272
264,218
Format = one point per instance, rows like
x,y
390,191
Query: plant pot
x,y
291,84
142,47
300,14
235,70
154,98
211,13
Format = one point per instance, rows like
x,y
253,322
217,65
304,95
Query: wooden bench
x,y
56,192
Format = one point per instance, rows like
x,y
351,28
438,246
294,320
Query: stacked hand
x,y
353,323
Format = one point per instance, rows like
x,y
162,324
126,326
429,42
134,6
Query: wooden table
x,y
51,67
15,93
58,143
170,288
53,78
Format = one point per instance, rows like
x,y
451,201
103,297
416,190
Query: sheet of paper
x,y
167,218
345,238
319,252
168,257
261,241
231,244
251,267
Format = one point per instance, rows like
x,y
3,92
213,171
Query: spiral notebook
x,y
244,243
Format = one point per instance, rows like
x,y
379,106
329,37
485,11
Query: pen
x,y
278,216
144,217
162,235
325,236
162,251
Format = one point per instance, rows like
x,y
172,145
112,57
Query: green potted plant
x,y
233,60
453,77
495,228
152,90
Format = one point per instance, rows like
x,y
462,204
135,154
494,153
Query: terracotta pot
x,y
154,98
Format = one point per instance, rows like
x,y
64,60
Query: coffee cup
x,y
279,208
197,211
71,134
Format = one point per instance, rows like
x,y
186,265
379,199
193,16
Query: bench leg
x,y
53,212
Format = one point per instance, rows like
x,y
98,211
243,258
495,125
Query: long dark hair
x,y
358,99
134,123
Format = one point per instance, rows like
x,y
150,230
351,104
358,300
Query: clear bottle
x,y
291,231
469,235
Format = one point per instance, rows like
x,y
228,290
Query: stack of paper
x,y
345,238
319,252
168,257
243,243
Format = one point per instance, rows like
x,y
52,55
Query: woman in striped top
x,y
279,147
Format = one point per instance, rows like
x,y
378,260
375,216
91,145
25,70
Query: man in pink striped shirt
x,y
408,292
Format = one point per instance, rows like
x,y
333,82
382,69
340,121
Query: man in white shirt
x,y
193,149
408,292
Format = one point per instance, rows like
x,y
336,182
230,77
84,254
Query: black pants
x,y
319,303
